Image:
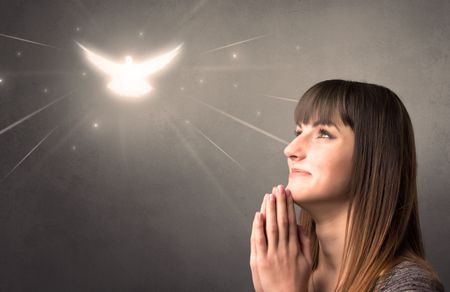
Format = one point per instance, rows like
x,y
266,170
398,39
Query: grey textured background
x,y
145,202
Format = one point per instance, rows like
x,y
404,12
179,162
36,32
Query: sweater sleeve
x,y
407,276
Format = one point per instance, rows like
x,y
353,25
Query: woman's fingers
x,y
263,205
293,237
252,242
253,256
260,237
282,215
263,214
271,222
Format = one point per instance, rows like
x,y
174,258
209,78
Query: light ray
x,y
37,73
28,41
281,98
25,157
236,43
208,173
182,21
242,122
217,146
63,139
234,68
199,5
33,113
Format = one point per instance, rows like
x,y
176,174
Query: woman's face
x,y
325,152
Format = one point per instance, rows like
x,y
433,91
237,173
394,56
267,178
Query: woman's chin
x,y
299,192
297,185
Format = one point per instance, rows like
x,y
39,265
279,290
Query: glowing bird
x,y
129,78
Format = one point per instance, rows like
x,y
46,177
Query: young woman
x,y
352,170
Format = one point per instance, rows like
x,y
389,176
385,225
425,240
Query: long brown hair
x,y
383,225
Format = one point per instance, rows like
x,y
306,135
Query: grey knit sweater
x,y
408,276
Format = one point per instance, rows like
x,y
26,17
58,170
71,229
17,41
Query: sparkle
x,y
74,148
83,74
182,88
234,56
235,85
95,125
1,81
141,34
19,54
78,28
45,90
201,81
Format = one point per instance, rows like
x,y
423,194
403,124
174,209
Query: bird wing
x,y
101,63
149,67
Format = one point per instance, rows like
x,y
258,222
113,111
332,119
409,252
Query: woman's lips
x,y
298,173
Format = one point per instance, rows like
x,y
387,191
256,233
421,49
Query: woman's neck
x,y
330,231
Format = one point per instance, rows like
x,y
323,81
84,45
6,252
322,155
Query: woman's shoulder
x,y
409,276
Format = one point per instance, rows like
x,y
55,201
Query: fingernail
x,y
280,188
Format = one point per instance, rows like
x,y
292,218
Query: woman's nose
x,y
292,149
287,150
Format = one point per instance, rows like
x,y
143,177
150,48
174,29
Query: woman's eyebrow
x,y
324,123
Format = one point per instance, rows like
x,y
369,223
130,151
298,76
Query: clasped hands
x,y
280,258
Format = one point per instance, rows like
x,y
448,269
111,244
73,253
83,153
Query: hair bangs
x,y
325,103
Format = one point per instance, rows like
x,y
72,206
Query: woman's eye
x,y
323,132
